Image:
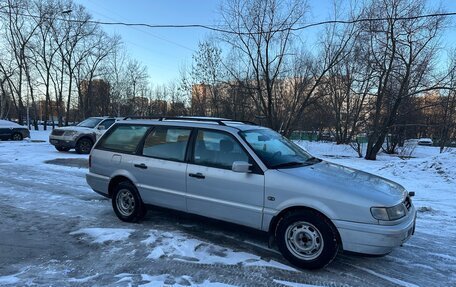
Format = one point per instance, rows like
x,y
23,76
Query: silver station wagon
x,y
250,175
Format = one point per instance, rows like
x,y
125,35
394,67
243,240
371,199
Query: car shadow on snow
x,y
71,162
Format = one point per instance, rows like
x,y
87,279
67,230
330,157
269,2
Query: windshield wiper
x,y
288,164
312,160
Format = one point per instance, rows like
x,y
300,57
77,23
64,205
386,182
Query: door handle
x,y
197,175
143,166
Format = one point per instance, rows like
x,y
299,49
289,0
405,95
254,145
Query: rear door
x,y
214,190
160,167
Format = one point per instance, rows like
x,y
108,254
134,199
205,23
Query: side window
x,y
217,150
107,123
167,143
124,138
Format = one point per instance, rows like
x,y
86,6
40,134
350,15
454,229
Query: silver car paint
x,y
153,186
342,194
226,195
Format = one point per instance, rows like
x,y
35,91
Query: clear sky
x,y
164,51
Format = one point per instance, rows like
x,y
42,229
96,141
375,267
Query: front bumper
x,y
375,239
62,141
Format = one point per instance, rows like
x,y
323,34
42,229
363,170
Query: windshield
x,y
275,150
89,123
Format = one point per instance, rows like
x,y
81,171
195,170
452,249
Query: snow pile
x,y
322,149
436,168
9,279
176,246
102,235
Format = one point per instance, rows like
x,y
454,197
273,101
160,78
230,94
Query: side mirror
x,y
101,127
241,166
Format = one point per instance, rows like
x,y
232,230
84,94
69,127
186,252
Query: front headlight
x,y
388,213
69,133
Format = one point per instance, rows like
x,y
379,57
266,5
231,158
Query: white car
x,y
425,141
82,136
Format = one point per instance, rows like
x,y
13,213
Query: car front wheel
x,y
307,239
127,204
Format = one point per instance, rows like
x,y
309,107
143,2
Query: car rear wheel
x,y
84,145
61,148
127,203
16,137
307,239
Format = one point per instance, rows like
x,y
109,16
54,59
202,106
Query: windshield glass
x,y
89,123
275,150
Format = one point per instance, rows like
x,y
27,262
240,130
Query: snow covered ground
x,y
54,230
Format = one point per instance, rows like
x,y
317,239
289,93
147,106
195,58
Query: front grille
x,y
58,132
408,202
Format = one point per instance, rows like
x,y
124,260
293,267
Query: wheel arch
x,y
115,181
276,219
86,136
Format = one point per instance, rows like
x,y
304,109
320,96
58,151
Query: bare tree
x,y
115,71
401,53
448,105
18,35
283,79
208,73
137,75
347,86
100,46
74,51
262,32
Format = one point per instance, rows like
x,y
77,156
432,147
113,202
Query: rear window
x,y
123,138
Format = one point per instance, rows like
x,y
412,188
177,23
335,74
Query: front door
x,y
214,190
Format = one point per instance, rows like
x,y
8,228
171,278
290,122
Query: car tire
x,y
127,203
61,148
84,145
17,137
307,239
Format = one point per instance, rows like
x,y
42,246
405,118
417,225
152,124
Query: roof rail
x,y
142,118
220,121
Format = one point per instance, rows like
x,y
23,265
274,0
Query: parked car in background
x,y
250,175
13,131
82,136
425,141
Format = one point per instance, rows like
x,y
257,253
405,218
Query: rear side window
x,y
123,138
167,143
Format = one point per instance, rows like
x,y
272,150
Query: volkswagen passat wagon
x,y
250,175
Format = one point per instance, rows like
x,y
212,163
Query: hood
x,y
75,128
349,180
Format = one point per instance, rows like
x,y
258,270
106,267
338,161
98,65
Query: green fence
x,y
313,136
